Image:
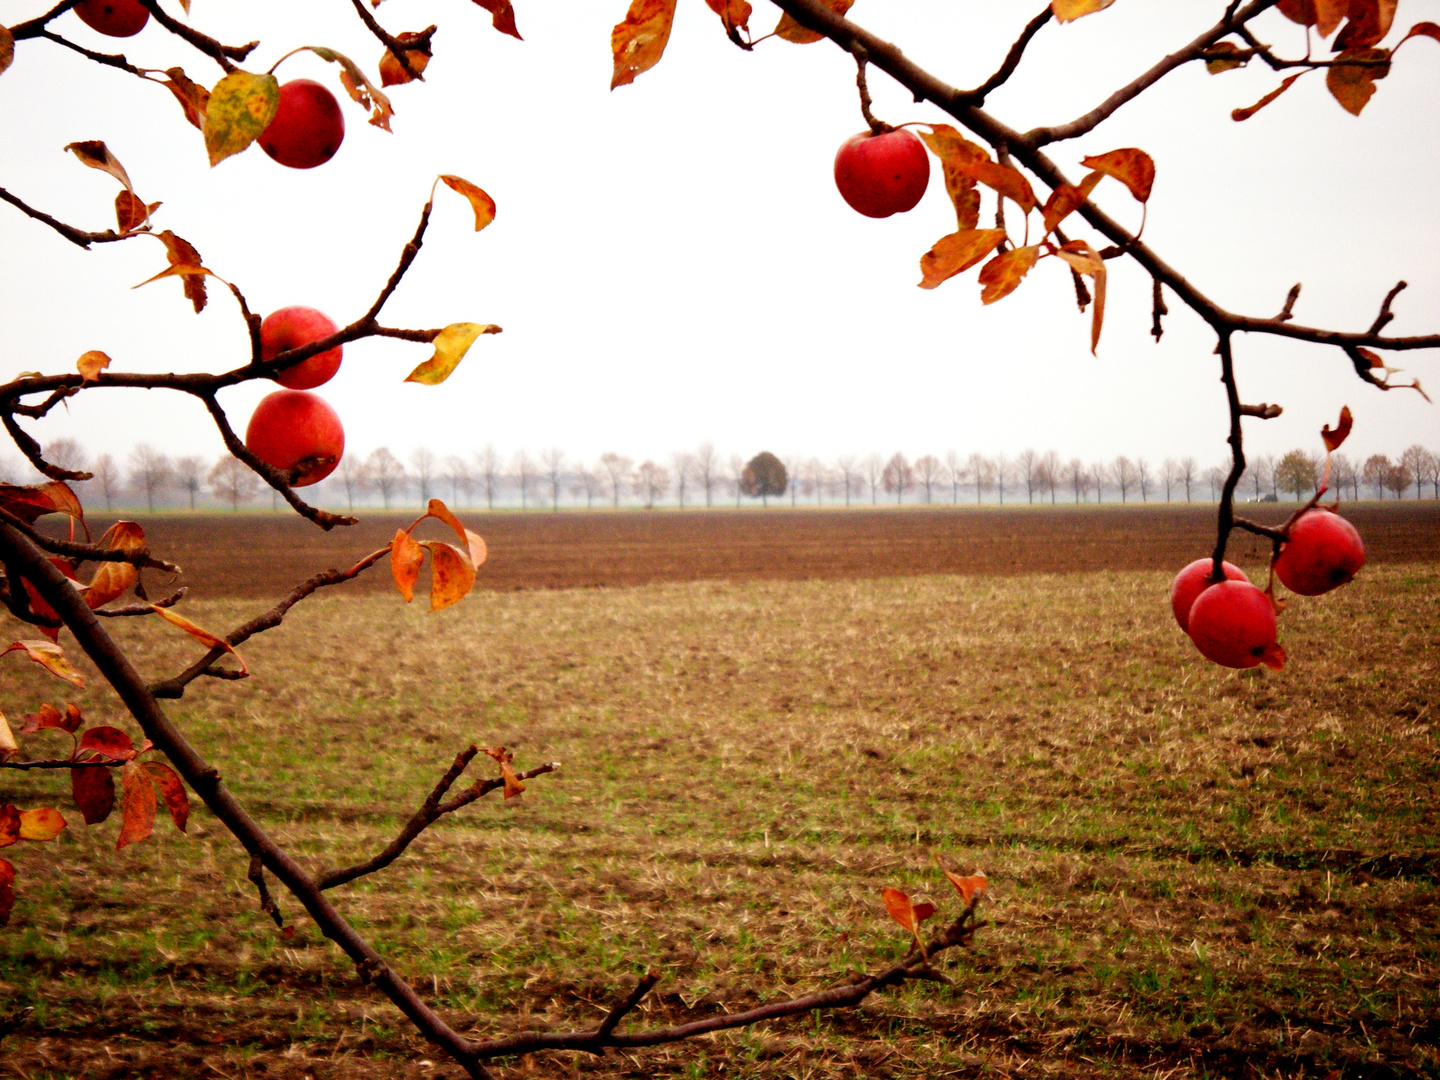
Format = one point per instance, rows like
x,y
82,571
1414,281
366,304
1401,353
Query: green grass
x,y
1192,869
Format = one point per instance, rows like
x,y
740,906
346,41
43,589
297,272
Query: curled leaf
x,y
34,501
502,16
639,40
51,657
1070,10
793,32
971,889
7,891
1006,179
1421,29
504,758
908,914
1250,110
480,202
1133,168
1351,77
193,97
137,807
92,363
956,253
361,90
451,345
734,14
7,53
452,575
8,745
1083,259
97,155
1329,13
1067,198
205,637
41,825
237,112
392,72
131,211
1369,21
1334,438
185,263
406,558
10,824
1002,275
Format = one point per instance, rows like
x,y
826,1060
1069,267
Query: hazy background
x,y
671,262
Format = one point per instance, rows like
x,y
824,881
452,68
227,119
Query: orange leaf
x,y
1370,21
1005,179
480,202
1066,198
791,31
97,155
172,792
452,576
181,252
639,41
8,746
503,757
131,211
7,891
108,742
1300,11
113,578
406,558
1223,56
902,910
137,807
193,97
1244,114
735,14
956,253
502,16
92,363
94,792
1423,29
1328,14
1353,84
1333,439
205,637
126,536
1069,10
954,151
44,824
1002,275
478,551
51,657
971,889
1083,259
1133,168
63,500
392,72
440,512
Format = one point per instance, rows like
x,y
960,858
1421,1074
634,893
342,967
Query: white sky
x,y
671,261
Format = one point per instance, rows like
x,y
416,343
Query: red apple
x,y
1233,623
113,18
1194,580
294,327
1323,552
308,126
296,430
880,175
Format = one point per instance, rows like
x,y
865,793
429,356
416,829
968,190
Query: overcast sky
x,y
671,262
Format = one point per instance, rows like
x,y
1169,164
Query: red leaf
x,y
9,825
1423,29
108,742
47,716
1369,22
502,14
94,792
923,911
7,891
73,719
734,14
1300,11
1334,438
137,811
172,792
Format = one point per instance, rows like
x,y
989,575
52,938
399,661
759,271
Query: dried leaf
x,y
503,757
126,536
64,501
93,362
955,151
51,657
33,501
8,745
137,807
193,97
1244,114
450,348
907,914
10,825
73,719
392,72
502,16
1006,179
131,211
185,262
956,253
734,14
1370,21
1083,259
205,637
97,155
7,49
108,742
1067,198
45,718
1353,84
1223,56
1300,11
7,891
480,202
478,551
1002,275
971,889
1374,359
237,112
171,791
110,581
93,789
361,90
1423,29
1328,14
1070,10
452,576
406,558
639,41
796,34
1133,168
41,825
1334,439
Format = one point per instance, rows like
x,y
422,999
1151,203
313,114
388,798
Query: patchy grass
x,y
1195,872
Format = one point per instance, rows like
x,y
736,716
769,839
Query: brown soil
x,y
256,555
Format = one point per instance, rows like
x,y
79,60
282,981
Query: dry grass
x,y
1195,872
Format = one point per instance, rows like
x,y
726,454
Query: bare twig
x,y
221,54
1287,312
1012,61
1263,411
87,552
114,60
135,611
78,237
393,44
62,763
1157,309
267,902
1385,315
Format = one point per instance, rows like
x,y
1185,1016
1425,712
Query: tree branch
x,y
221,54
392,44
78,237
1012,61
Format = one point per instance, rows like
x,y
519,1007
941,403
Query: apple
x,y
295,430
1322,552
308,126
1194,580
294,327
113,18
880,175
1233,623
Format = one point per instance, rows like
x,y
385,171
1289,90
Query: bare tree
x,y
793,465
423,461
684,465
1432,473
1376,473
735,476
524,468
386,473
1143,478
955,469
1217,476
1417,459
617,469
1077,475
553,462
874,472
1169,476
850,476
189,476
898,477
817,476
1002,466
458,473
929,472
1099,478
107,475
1188,474
651,482
1027,466
232,481
1269,460
707,469
487,462
1345,474
591,484
354,475
150,472
1050,468
67,454
982,474
1122,471
1259,475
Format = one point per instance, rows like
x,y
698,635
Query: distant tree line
x,y
150,479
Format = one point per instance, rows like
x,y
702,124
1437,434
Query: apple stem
x,y
877,127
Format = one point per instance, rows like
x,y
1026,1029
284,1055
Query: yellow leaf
x,y
1070,10
91,364
1002,275
639,41
51,657
956,253
44,824
450,348
1353,84
480,202
793,32
205,637
240,108
8,746
7,48
406,558
452,576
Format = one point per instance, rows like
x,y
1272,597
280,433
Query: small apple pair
x,y
291,429
1233,622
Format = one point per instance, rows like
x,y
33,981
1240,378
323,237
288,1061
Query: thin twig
x,y
78,237
1007,68
1385,315
267,902
393,44
644,986
221,54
